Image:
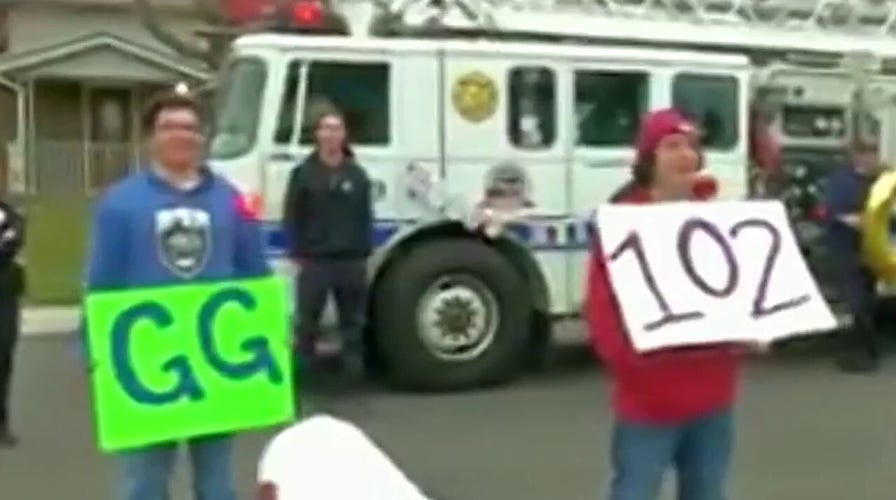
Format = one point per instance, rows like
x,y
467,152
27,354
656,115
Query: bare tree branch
x,y
151,22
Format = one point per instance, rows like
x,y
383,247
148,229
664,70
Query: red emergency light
x,y
246,11
308,13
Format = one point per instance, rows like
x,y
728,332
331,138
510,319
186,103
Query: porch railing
x,y
76,166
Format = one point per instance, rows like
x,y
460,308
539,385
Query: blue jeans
x,y
699,450
146,473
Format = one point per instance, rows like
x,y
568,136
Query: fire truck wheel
x,y
452,314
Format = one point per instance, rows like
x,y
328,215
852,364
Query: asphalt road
x,y
805,433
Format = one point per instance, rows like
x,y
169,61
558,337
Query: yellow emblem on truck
x,y
475,96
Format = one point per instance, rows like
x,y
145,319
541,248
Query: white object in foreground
x,y
709,272
324,458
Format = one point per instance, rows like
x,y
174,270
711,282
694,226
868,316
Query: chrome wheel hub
x,y
457,317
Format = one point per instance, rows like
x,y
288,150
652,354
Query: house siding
x,y
102,67
34,26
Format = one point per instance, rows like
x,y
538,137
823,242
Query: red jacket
x,y
663,387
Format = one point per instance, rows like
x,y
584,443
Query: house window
x,y
109,115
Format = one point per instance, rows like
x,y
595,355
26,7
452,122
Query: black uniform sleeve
x,y
12,234
366,209
292,213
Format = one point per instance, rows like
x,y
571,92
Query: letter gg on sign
x,y
189,360
702,273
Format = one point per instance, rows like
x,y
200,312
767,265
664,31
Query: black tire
x,y
410,362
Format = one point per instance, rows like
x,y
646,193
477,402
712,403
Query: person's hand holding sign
x,y
153,384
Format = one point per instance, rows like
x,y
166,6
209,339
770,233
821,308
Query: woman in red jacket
x,y
672,408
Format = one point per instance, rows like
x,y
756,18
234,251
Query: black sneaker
x,y
7,440
858,362
353,366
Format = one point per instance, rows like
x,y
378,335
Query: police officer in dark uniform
x,y
846,193
12,285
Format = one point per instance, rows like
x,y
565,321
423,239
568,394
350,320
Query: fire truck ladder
x,y
823,26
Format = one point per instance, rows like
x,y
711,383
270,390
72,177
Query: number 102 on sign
x,y
702,273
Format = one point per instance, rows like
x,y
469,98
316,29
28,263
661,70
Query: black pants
x,y
858,287
9,333
346,279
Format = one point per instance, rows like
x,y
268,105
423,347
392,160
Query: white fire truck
x,y
492,128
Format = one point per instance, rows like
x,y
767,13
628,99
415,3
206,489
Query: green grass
x,y
54,253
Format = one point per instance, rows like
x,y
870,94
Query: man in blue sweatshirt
x,y
175,222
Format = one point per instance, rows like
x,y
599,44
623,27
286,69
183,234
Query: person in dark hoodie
x,y
672,408
174,222
12,286
328,218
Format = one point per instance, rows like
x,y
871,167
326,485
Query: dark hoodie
x,y
327,211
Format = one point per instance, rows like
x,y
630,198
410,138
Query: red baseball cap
x,y
657,125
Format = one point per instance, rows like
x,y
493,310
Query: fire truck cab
x,y
488,153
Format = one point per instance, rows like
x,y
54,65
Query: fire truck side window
x,y
608,106
532,107
359,90
712,102
285,118
239,108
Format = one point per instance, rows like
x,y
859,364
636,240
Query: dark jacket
x,y
845,193
327,211
12,239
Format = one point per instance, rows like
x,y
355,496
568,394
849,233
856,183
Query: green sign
x,y
189,360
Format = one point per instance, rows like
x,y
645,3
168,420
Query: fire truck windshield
x,y
238,108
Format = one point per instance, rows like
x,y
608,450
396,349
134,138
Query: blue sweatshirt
x,y
147,233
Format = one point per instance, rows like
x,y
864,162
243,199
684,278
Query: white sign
x,y
324,458
709,272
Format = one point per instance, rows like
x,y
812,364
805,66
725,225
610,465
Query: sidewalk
x,y
53,320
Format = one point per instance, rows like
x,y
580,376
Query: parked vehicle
x,y
488,153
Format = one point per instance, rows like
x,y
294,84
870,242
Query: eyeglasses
x,y
172,126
